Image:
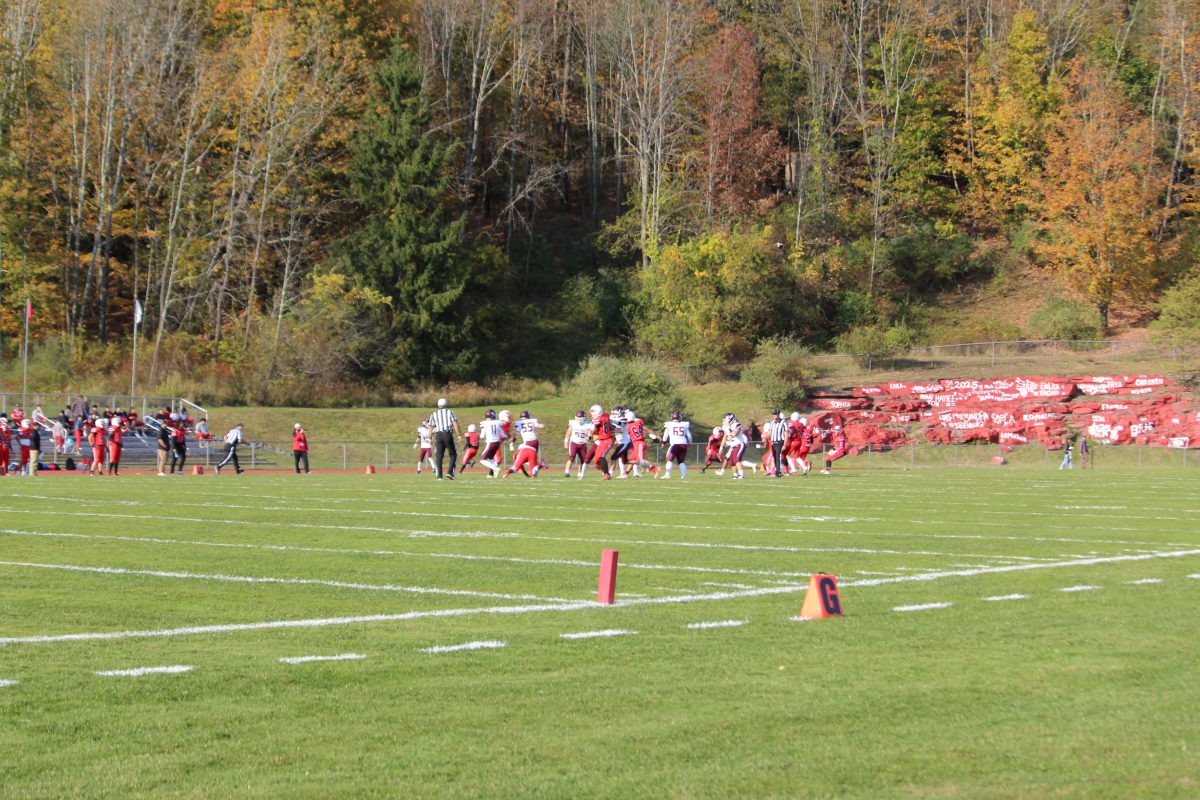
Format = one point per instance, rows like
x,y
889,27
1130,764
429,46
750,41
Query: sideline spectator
x,y
164,447
35,448
79,407
202,433
5,444
178,447
1085,453
232,440
59,432
1066,462
300,448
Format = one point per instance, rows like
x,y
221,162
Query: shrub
x,y
871,343
1063,318
780,371
639,383
1179,309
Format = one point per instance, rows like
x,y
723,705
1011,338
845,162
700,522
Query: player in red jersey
x,y
23,434
602,433
471,449
636,427
839,448
5,445
799,444
114,446
527,453
99,447
712,452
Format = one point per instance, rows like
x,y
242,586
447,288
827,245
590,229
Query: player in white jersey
x,y
577,443
621,440
425,442
492,432
735,448
527,453
678,435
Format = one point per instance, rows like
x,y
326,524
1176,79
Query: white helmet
x,y
506,416
297,426
804,421
596,411
795,416
471,428
629,415
716,431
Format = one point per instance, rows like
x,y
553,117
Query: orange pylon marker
x,y
197,469
370,469
608,577
821,599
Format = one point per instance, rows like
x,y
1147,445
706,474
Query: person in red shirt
x,y
712,451
603,436
178,436
114,446
799,444
23,434
472,448
300,447
839,448
5,445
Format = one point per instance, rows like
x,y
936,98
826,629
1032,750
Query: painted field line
x,y
923,607
1194,575
4,683
195,576
1080,588
140,671
1002,597
1144,581
483,534
310,659
724,623
536,537
580,606
597,634
454,648
412,554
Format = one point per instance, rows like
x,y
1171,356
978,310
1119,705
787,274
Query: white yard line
x,y
597,634
1081,588
923,607
1144,581
454,648
724,623
194,576
140,671
580,606
1002,597
4,683
310,659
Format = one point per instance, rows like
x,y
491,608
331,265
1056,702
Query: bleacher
x,y
139,445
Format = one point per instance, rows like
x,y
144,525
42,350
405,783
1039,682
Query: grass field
x,y
1008,633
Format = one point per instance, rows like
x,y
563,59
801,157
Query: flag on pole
x,y
137,311
28,309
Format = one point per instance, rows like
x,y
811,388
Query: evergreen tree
x,y
410,244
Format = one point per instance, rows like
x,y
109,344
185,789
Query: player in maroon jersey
x,y
839,448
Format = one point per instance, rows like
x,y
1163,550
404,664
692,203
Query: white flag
x,y
137,311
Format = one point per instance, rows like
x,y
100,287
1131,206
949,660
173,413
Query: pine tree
x,y
410,245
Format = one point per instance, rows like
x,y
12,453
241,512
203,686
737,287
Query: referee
x,y
444,423
777,429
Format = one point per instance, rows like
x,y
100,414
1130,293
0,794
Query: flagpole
x,y
25,370
137,317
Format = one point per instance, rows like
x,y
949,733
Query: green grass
x,y
1061,694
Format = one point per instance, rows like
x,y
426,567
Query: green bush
x,y
1063,318
869,344
780,371
1179,309
640,383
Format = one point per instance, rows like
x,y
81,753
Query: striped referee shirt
x,y
778,429
442,420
